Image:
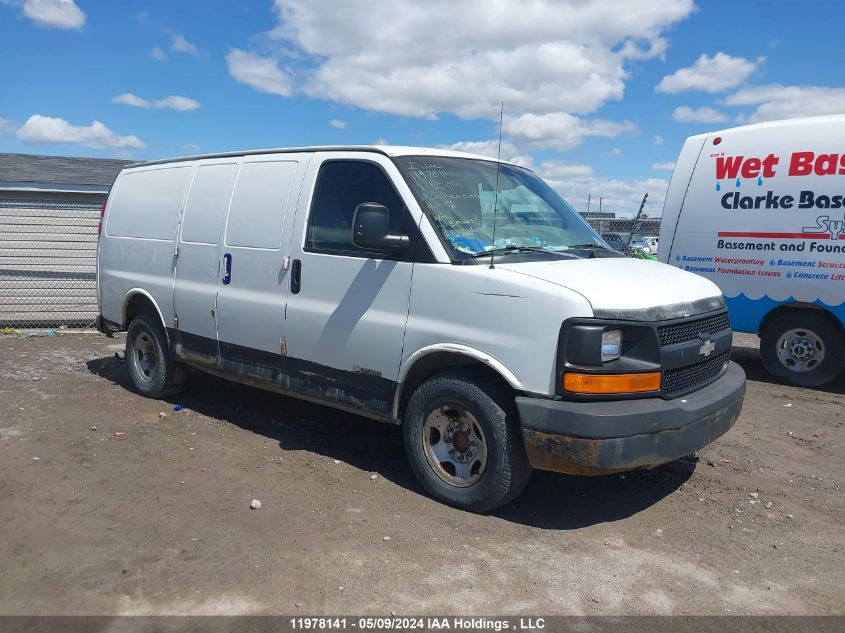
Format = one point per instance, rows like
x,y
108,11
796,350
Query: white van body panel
x,y
198,264
504,316
763,216
137,249
621,286
251,306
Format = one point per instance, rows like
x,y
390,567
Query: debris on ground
x,y
386,538
178,407
118,433
373,476
120,355
162,415
255,504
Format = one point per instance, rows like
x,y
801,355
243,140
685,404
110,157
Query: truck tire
x,y
803,347
151,369
464,442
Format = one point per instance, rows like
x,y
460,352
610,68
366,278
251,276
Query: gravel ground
x,y
108,508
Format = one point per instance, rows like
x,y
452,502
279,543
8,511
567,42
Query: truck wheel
x,y
463,440
150,367
803,347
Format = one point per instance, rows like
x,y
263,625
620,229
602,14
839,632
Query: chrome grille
x,y
684,379
676,333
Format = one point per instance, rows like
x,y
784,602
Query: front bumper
x,y
596,438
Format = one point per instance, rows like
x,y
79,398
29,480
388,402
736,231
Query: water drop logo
x,y
718,186
760,181
771,262
789,275
738,183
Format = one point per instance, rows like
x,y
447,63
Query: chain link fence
x,y
48,263
636,237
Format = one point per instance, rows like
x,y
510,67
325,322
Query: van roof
x,y
829,118
386,150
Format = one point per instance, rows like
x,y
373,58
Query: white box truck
x,y
760,210
458,296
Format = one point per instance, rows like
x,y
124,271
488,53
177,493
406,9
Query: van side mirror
x,y
371,229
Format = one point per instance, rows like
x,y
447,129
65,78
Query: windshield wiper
x,y
511,248
589,245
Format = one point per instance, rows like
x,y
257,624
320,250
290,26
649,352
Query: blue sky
x,y
599,96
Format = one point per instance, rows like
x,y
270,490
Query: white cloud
x,y
51,14
339,124
658,140
40,130
616,151
685,114
261,73
710,74
540,57
559,130
173,102
576,182
158,54
491,149
181,45
191,148
663,166
775,101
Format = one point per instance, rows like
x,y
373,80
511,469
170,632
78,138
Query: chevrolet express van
x,y
457,296
760,211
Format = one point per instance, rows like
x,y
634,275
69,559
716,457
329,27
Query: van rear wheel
x,y
803,347
464,443
151,369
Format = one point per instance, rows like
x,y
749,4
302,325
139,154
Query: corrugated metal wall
x,y
48,262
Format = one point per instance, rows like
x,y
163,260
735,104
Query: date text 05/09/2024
x,y
417,623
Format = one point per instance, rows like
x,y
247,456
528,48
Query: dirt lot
x,y
107,508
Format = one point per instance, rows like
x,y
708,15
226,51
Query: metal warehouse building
x,y
49,211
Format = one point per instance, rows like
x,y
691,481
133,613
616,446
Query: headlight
x,y
611,345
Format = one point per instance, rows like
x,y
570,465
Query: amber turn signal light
x,y
611,383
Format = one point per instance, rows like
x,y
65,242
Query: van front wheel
x,y
464,443
150,367
803,347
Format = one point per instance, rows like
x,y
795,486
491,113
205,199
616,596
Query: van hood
x,y
628,288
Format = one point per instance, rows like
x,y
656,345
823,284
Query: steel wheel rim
x,y
454,445
800,350
144,357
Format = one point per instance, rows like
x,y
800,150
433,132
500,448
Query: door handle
x,y
227,269
296,276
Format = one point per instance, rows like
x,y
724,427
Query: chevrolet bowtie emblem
x,y
706,348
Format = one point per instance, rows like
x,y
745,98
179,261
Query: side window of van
x,y
341,186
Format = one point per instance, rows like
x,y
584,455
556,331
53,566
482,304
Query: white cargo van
x,y
760,210
458,296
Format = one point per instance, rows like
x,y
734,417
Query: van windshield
x,y
460,195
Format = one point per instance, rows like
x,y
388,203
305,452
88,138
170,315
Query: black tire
x,y
151,369
825,337
506,469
